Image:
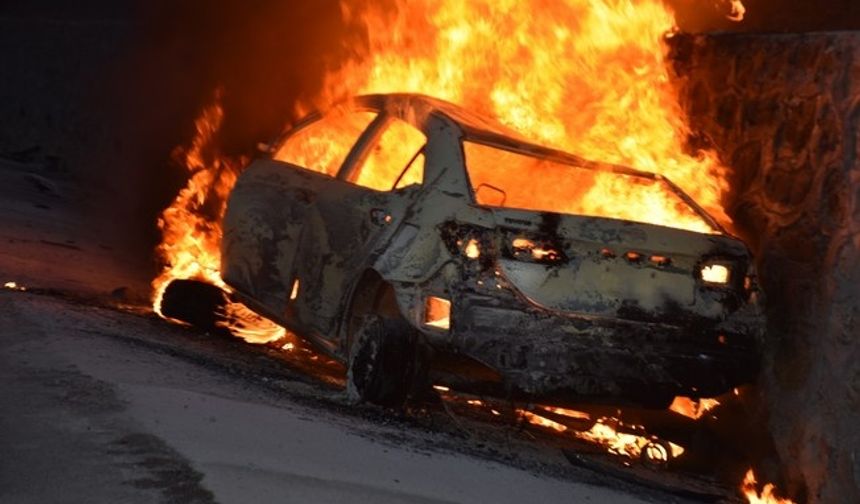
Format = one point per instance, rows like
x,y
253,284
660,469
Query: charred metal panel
x,y
541,354
262,229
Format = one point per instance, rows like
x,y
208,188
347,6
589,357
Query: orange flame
x,y
191,240
191,228
587,76
536,419
767,494
623,443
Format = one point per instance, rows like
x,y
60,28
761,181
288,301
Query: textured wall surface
x,y
783,112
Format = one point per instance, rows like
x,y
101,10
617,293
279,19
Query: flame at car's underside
x,y
586,76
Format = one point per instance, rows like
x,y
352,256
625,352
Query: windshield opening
x,y
508,179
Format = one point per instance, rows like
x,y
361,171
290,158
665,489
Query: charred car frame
x,y
377,232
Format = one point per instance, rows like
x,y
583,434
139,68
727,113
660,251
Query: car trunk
x,y
600,267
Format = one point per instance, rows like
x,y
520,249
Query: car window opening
x,y
395,159
508,179
323,145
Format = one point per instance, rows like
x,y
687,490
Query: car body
x,y
377,208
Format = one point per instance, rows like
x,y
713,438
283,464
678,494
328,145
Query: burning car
x,y
415,241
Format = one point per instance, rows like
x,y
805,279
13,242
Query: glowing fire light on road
x,y
605,432
766,496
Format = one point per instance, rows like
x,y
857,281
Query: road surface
x,y
103,402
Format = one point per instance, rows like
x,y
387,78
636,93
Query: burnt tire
x,y
384,362
193,302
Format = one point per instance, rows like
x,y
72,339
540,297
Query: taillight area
x,y
534,249
728,274
716,272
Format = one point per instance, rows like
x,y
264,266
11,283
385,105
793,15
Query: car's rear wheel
x,y
384,362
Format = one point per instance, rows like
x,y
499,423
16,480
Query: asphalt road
x,y
101,401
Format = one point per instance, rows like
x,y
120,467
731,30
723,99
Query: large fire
x,y
586,76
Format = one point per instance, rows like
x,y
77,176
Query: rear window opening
x,y
508,179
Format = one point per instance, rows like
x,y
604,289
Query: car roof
x,y
411,107
405,102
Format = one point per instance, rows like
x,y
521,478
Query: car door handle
x,y
380,216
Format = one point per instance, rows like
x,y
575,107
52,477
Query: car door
x,y
356,216
315,152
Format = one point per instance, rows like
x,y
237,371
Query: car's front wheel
x,y
384,362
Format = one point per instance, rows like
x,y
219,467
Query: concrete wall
x,y
783,111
